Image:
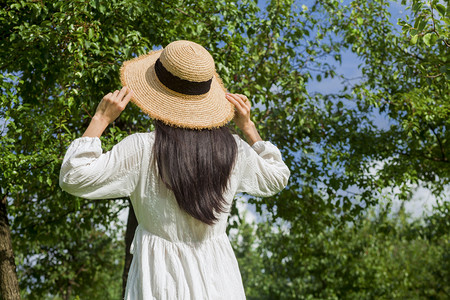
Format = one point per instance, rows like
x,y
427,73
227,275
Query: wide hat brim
x,y
206,111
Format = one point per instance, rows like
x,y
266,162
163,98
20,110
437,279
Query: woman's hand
x,y
107,111
113,104
243,107
242,117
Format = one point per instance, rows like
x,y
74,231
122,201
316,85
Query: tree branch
x,y
434,76
444,158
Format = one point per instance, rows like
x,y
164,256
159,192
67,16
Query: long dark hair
x,y
196,165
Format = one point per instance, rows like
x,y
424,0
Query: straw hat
x,y
179,86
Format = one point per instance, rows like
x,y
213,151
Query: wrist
x,y
96,127
101,120
251,133
248,126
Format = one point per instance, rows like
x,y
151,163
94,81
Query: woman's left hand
x,y
113,104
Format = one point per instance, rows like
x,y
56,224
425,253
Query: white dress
x,y
175,256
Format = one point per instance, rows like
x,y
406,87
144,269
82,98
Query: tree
x,y
406,79
354,162
59,53
58,58
378,256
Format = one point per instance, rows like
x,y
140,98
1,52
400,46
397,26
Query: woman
x,y
182,177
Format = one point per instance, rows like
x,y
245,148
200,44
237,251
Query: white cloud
x,y
421,202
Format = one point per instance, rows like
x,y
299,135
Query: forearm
x,y
251,133
96,127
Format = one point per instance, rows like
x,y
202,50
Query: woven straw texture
x,y
186,60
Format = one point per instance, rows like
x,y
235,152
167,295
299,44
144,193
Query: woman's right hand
x,y
242,117
107,111
113,104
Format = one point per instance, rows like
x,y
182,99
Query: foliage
x,y
58,58
430,21
357,161
89,268
376,257
60,53
348,164
408,84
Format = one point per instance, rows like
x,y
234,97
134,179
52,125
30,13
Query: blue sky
x,y
350,61
422,200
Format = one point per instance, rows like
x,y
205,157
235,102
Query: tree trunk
x,y
9,285
68,292
129,235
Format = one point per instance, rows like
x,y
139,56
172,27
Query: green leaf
x,y
422,25
102,8
441,9
427,38
418,20
414,39
91,33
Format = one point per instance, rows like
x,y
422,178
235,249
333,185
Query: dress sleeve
x,y
89,173
263,172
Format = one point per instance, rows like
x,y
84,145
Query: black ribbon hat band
x,y
180,85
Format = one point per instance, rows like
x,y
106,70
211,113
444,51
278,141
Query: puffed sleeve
x,y
89,173
263,172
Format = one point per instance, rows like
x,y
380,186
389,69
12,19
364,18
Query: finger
x,y
248,104
243,102
127,98
116,92
241,109
246,100
109,95
242,98
122,93
237,98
